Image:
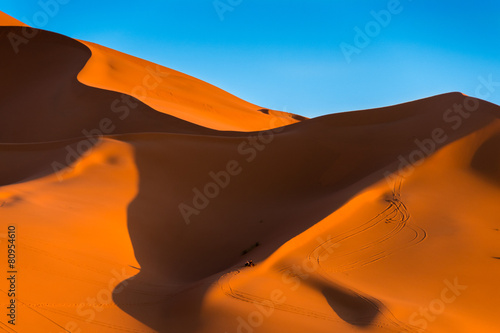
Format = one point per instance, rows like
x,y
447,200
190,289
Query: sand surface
x,y
138,193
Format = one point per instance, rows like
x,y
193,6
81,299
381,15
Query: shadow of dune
x,y
352,308
37,160
44,101
163,311
486,160
307,172
302,174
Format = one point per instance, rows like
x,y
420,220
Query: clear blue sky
x,y
287,55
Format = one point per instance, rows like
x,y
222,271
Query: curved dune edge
x,y
6,20
73,241
343,198
344,238
172,92
341,291
399,262
59,107
175,93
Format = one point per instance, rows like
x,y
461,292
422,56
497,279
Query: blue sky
x,y
291,55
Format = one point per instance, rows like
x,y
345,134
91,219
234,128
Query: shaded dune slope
x,y
299,174
294,187
59,106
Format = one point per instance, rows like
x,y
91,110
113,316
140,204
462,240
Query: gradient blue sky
x,y
286,55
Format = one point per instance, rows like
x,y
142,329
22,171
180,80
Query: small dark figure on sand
x,y
249,263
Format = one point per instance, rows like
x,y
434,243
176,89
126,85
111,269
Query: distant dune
x,y
139,193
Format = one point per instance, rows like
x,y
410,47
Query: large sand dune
x,y
138,193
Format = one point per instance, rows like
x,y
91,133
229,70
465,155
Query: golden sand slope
x,y
146,227
175,93
7,20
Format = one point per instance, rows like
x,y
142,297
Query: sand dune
x,y
177,94
7,20
137,212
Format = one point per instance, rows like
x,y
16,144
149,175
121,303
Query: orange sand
x,y
113,234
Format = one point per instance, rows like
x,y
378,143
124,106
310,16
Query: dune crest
x,y
175,93
140,195
6,20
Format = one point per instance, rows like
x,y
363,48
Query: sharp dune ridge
x,y
139,193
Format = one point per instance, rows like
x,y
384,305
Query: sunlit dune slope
x,y
177,94
163,89
413,253
6,20
73,247
300,178
337,200
59,106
